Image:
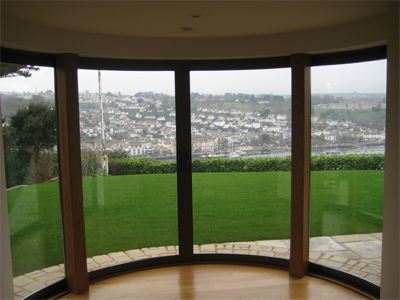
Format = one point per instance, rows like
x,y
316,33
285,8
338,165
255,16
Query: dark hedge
x,y
128,166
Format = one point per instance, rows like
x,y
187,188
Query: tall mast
x,y
103,143
102,125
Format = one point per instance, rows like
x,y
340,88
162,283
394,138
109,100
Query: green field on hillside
x,y
126,212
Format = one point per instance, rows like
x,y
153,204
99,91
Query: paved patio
x,y
357,254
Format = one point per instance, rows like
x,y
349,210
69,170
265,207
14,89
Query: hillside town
x,y
230,125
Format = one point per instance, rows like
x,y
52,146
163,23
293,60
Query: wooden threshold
x,y
215,282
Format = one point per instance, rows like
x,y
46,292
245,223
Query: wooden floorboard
x,y
215,281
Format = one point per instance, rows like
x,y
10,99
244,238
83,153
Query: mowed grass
x,y
127,212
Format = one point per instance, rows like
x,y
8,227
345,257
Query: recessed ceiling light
x,y
187,28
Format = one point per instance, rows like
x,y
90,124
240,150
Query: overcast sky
x,y
369,77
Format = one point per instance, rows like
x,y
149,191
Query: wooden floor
x,y
215,281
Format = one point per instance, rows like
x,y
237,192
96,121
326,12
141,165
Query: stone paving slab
x,y
353,238
358,254
366,249
324,244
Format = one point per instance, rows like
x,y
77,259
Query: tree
x,y
28,139
12,70
17,161
35,128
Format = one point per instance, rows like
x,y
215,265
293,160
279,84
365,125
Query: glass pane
x,y
30,145
127,123
348,138
241,142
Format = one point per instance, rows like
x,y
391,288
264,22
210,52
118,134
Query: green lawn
x,y
126,212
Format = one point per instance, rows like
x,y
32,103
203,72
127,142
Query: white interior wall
x,y
19,34
6,286
391,247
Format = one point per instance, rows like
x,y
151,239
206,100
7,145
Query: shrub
x,y
128,166
22,168
91,162
43,169
347,162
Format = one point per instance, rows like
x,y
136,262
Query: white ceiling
x,y
167,18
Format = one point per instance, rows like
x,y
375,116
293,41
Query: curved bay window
x,y
128,154
241,143
193,163
30,133
348,138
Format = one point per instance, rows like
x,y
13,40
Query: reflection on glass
x,y
241,142
30,146
129,165
348,137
